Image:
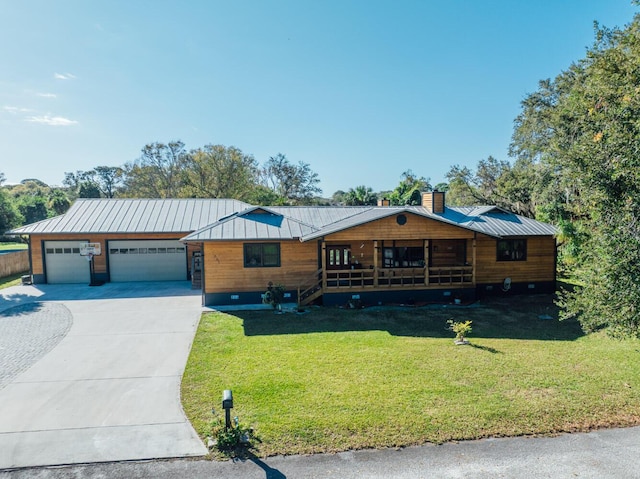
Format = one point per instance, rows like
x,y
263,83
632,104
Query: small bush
x,y
232,441
462,329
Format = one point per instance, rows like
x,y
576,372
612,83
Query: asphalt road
x,y
601,454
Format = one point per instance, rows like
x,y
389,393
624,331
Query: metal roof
x,y
222,219
135,216
319,216
495,221
253,224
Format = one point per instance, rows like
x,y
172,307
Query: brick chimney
x,y
433,201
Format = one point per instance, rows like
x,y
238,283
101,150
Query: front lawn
x,y
332,380
13,280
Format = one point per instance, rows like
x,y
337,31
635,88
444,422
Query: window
x,y
403,257
512,250
262,255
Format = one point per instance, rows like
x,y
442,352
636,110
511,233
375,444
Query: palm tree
x,y
361,195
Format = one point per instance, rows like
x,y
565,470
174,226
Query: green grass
x,y
12,280
6,246
333,380
15,279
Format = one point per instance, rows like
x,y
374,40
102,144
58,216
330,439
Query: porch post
x,y
324,265
426,262
473,256
375,263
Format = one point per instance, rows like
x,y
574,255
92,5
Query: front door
x,y
338,257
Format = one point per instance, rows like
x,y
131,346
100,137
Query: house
x,y
232,250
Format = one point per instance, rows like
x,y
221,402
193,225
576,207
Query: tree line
x,y
574,162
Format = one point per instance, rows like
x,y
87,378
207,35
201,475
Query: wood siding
x,y
416,227
539,265
225,272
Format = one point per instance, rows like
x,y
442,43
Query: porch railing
x,y
398,277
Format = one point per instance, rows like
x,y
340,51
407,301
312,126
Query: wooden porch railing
x,y
382,278
451,275
399,277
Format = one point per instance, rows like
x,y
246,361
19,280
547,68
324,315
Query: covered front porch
x,y
410,266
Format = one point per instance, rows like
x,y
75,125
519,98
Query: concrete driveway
x,y
93,374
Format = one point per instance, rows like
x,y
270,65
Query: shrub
x,y
460,328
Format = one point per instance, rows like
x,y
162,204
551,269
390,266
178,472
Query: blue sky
x,y
360,90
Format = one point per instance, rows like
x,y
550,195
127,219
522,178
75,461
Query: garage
x,y
147,260
64,264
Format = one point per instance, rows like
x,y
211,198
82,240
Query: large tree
x,y
294,184
495,182
218,171
584,128
157,173
101,182
408,191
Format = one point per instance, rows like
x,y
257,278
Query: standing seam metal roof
x,y
223,219
135,216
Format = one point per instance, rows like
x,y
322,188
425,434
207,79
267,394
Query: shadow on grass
x,y
485,348
515,317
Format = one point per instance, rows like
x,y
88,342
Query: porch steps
x,y
310,289
310,297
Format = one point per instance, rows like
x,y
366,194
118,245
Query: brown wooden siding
x,y
225,271
539,265
389,229
100,262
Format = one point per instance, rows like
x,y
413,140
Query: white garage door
x,y
152,260
64,263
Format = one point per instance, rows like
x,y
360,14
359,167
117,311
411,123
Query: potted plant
x,y
461,329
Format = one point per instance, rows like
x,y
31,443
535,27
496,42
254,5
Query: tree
x,y
294,184
33,208
217,171
494,182
441,187
100,182
108,179
583,128
338,198
361,195
89,189
9,215
58,201
157,173
408,191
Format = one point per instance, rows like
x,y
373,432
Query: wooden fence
x,y
14,263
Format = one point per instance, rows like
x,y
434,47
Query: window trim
x,y
260,263
511,246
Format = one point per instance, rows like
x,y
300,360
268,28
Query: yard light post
x,y
227,405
